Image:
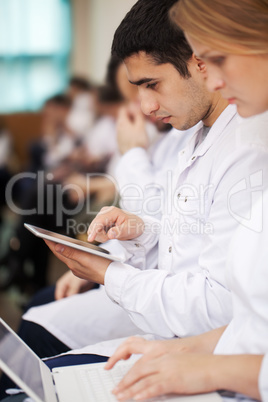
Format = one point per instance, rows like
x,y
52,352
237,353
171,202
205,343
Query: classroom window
x,y
35,43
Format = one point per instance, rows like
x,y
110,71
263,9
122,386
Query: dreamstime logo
x,y
252,191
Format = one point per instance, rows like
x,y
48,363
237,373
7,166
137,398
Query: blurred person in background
x,y
62,159
102,142
47,154
82,115
55,142
138,138
188,291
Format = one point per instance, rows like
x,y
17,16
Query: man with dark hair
x,y
147,28
188,293
147,36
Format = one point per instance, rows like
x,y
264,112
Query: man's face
x,y
54,113
163,93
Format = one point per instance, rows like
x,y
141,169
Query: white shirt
x,y
103,319
189,294
142,177
57,151
101,138
247,269
101,142
82,114
141,174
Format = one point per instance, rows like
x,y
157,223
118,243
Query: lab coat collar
x,y
189,155
189,149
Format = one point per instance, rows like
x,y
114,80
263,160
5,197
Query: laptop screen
x,y
21,360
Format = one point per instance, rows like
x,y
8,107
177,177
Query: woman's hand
x,y
167,367
169,373
137,345
204,343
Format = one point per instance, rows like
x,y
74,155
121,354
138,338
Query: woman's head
x,y
232,38
239,26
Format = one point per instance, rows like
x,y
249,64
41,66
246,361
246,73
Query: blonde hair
x,y
232,26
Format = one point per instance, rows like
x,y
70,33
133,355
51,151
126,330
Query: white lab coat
x,y
57,152
189,294
247,269
245,158
142,177
101,141
247,266
247,272
102,319
82,115
141,174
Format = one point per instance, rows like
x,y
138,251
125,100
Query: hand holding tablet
x,y
70,242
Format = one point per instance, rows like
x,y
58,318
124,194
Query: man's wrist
x,y
102,272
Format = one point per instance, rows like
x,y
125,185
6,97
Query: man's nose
x,y
149,105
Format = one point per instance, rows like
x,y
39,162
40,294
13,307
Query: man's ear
x,y
200,64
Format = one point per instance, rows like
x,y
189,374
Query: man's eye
x,y
151,86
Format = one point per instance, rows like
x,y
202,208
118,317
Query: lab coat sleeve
x,y
140,252
158,302
140,195
263,379
248,274
196,299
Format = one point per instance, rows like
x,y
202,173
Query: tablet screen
x,y
57,237
74,243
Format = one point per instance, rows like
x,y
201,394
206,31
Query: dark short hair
x,y
81,83
112,69
108,94
60,100
147,27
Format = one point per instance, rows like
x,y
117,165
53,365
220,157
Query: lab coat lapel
x,y
189,155
184,154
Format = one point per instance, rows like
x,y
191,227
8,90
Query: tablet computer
x,y
70,242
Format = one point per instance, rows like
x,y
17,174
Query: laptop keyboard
x,y
98,383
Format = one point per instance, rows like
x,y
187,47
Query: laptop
x,y
83,383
